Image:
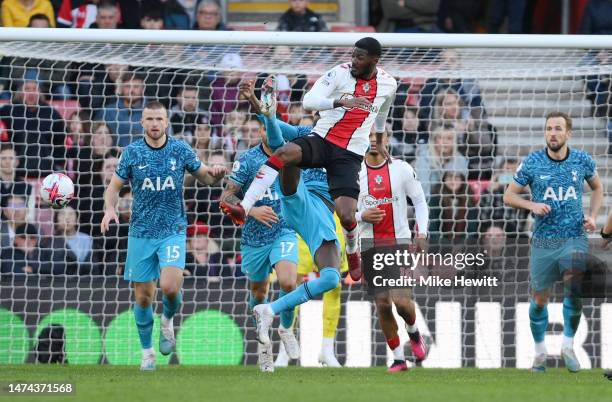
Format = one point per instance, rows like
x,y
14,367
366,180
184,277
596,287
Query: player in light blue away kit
x,y
155,167
555,176
306,206
267,242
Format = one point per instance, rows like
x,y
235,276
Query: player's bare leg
x,y
389,329
144,293
538,319
407,310
170,283
346,207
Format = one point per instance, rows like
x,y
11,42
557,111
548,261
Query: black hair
x,y
370,45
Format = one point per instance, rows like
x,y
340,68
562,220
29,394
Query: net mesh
x,y
71,110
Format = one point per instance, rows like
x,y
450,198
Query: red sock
x,y
275,162
393,342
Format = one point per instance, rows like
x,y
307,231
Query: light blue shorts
x,y
146,257
307,214
258,262
549,264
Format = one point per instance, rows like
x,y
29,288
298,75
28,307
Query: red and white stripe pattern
x,y
387,187
349,129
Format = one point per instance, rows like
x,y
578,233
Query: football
x,y
57,190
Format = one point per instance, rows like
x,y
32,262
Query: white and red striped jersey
x,y
386,187
77,13
350,129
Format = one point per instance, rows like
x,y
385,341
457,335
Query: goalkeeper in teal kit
x,y
556,175
155,168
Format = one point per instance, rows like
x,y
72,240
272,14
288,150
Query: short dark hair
x,y
154,105
112,153
26,229
370,45
107,4
565,116
152,13
39,16
7,146
133,75
188,88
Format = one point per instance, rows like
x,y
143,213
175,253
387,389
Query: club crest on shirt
x,y
378,179
366,87
172,164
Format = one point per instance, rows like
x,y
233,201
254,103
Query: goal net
x,y
465,115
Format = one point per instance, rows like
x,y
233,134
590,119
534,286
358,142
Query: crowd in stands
x,y
440,126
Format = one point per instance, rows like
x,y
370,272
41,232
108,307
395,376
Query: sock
x,y
538,319
327,346
540,348
147,352
396,348
572,310
171,306
327,280
144,323
286,316
254,302
568,342
265,177
351,234
331,312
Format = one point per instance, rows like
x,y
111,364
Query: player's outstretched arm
x,y
595,203
210,175
111,197
513,198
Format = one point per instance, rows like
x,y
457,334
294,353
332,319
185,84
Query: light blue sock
x,y
286,316
572,310
172,306
327,280
538,319
144,322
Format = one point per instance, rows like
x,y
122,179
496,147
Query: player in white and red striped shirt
x,y
383,214
351,98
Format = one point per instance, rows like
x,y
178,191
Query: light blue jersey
x,y
156,177
558,184
254,233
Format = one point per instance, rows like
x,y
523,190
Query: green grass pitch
x,y
246,384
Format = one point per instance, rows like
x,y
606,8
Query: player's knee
x,y
347,217
403,305
329,279
288,153
287,285
383,305
259,294
144,300
540,302
170,289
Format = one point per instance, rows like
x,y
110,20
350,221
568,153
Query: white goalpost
x,y
81,105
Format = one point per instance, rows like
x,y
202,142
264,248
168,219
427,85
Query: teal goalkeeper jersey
x,y
156,177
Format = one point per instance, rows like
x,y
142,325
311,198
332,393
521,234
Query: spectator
x,y
491,205
599,87
252,135
39,21
91,202
439,156
467,89
123,116
300,18
77,140
203,256
186,117
107,15
295,114
203,142
458,16
208,16
500,9
597,18
409,16
225,88
26,256
37,129
479,146
448,111
77,13
96,88
175,15
70,245
10,183
17,13
152,19
452,208
14,213
405,133
111,249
